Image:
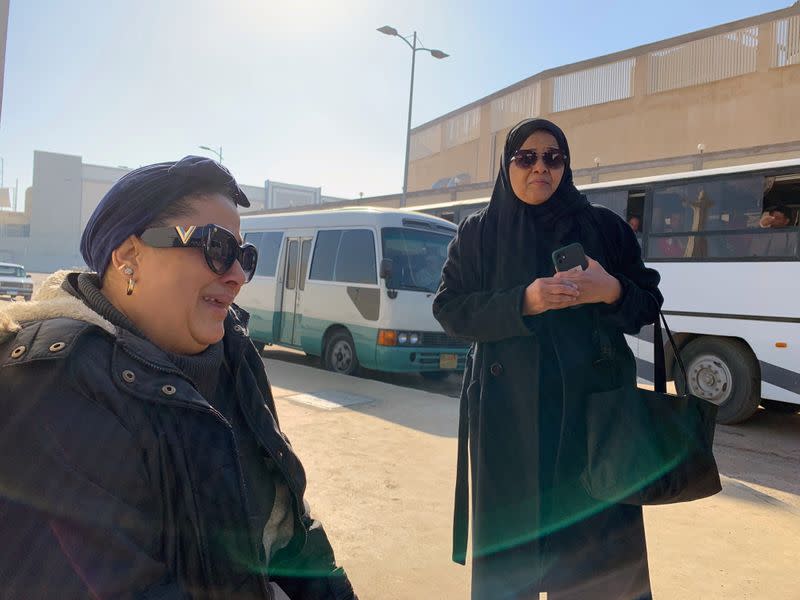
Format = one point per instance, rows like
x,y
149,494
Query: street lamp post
x,y
414,49
217,152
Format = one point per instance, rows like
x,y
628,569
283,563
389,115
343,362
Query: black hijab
x,y
518,237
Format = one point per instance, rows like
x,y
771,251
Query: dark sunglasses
x,y
220,246
553,159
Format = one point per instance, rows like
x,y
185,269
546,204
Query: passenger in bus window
x,y
776,217
141,455
779,243
522,428
635,223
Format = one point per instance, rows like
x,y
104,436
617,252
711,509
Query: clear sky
x,y
304,92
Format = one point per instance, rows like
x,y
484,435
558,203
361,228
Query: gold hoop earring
x,y
131,283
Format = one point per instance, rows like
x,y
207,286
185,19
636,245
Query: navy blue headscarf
x,y
141,195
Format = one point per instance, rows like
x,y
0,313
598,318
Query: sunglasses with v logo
x,y
220,247
552,159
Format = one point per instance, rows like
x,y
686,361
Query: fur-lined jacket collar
x,y
49,302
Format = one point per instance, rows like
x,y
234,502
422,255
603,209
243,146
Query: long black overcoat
x,y
534,528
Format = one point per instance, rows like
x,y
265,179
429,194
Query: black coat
x,y
534,527
119,480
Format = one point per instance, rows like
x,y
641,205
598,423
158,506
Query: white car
x,y
14,282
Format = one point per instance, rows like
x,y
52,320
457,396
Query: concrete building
x,y
286,195
717,97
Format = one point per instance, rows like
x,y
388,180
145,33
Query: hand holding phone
x,y
594,282
570,257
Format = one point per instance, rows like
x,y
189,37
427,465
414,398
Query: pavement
x,y
381,473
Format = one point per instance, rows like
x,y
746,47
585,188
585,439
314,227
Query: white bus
x,y
730,276
352,286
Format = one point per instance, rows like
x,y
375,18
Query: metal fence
x,y
512,108
597,85
703,61
787,42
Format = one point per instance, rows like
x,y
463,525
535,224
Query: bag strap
x,y
660,375
660,378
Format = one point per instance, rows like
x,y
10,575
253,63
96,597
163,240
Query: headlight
x,y
414,338
402,338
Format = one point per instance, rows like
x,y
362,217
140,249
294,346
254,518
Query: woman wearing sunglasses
x,y
534,359
140,453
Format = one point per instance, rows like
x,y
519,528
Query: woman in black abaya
x,y
535,529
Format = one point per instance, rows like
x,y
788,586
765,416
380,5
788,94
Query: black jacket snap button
x,y
496,369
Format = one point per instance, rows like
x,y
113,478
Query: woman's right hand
x,y
548,293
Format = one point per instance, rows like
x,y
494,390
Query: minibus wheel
x,y
340,353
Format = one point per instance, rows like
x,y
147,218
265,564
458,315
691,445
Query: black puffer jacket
x,y
119,480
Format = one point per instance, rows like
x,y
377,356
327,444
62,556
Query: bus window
x,y
634,213
325,255
291,265
268,252
355,261
304,254
345,255
449,215
727,205
781,197
254,237
616,201
269,246
717,219
417,257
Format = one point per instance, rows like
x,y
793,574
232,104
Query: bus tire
x,y
781,408
725,372
340,353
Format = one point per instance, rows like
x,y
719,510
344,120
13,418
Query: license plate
x,y
448,361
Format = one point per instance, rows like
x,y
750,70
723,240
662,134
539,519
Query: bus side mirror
x,y
387,266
